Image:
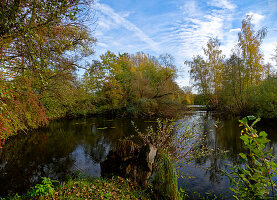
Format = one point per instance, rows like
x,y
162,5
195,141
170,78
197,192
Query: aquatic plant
x,y
165,180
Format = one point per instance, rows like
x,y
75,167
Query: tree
x,y
199,72
166,60
208,75
41,44
215,64
234,85
250,43
133,83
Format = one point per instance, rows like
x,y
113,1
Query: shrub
x,y
263,98
253,178
44,189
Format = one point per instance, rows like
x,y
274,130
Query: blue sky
x,y
179,27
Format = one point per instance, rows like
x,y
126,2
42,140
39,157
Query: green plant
x,y
263,98
44,189
165,180
253,179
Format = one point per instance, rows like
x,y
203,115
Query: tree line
x,y
240,84
43,44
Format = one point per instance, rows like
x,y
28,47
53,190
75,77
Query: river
x,y
66,146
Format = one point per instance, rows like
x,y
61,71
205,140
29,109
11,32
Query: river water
x,y
67,146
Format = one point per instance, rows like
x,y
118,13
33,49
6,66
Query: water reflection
x,y
58,150
69,145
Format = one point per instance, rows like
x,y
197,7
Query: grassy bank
x,y
87,188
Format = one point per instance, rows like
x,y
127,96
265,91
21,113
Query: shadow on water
x,y
58,150
65,146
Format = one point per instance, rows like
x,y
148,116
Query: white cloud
x,y
102,44
224,4
268,51
125,14
117,19
235,30
181,33
191,9
256,18
195,30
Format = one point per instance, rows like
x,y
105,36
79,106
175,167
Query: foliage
x,y
116,188
41,45
227,82
20,107
202,99
178,140
165,182
88,188
253,179
176,143
44,189
138,84
199,72
250,43
263,98
189,96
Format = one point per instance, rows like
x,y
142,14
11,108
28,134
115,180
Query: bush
x,y
253,178
44,189
263,98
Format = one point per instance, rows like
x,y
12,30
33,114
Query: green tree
x,y
233,95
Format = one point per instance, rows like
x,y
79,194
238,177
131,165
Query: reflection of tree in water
x,y
212,162
98,153
225,136
28,157
48,152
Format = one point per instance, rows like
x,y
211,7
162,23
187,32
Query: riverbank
x,y
167,111
87,188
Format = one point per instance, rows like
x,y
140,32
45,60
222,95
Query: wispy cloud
x,y
224,4
180,28
116,19
195,30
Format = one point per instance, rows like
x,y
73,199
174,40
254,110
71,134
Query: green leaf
x,y
243,155
258,163
245,139
251,117
263,134
243,120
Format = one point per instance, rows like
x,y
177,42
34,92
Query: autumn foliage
x,y
35,64
237,84
20,107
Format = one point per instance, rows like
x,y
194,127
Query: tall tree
x,y
199,72
250,43
215,64
41,43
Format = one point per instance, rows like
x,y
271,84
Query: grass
x,y
117,188
95,188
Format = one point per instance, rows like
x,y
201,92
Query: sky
x,y
179,27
